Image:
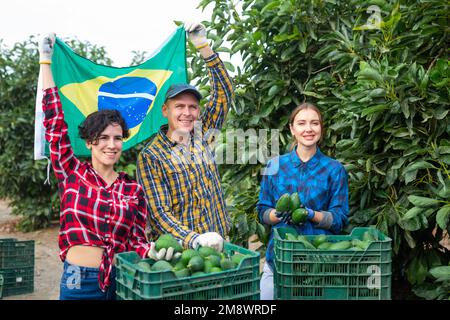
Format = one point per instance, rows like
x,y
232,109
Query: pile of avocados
x,y
322,242
192,262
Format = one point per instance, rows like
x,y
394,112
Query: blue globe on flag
x,y
132,96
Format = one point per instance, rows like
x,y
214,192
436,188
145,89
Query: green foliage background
x,y
384,93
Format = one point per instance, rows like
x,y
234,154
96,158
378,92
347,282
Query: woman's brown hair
x,y
304,106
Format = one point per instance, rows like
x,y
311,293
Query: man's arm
x,y
222,92
160,202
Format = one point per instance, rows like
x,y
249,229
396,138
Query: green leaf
x,y
313,94
423,202
374,109
409,239
441,273
229,66
270,6
274,90
427,291
410,224
412,213
443,217
417,271
370,74
410,176
418,165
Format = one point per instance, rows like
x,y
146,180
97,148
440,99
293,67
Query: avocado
x,y
227,264
283,203
361,244
144,266
196,263
198,273
161,265
216,269
341,245
305,242
299,216
324,245
318,240
215,260
187,255
182,273
290,236
179,266
207,251
208,266
237,258
166,241
369,236
294,201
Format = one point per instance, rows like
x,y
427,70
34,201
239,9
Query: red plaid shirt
x,y
92,214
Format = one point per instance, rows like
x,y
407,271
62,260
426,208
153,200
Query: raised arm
x,y
222,92
61,153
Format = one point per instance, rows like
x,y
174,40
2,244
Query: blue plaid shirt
x,y
322,186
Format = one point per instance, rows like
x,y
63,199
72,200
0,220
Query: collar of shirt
x,y
311,163
169,142
121,177
164,138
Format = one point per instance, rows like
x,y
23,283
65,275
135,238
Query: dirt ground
x,y
48,266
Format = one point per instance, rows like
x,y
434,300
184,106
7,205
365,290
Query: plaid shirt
x,y
322,186
182,183
92,214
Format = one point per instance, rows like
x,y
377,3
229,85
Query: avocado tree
x,y
380,73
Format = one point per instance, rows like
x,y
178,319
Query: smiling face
x,y
307,128
181,112
106,150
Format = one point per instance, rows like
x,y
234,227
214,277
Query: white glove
x,y
46,46
196,33
210,239
162,254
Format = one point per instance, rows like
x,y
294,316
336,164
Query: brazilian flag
x,y
137,91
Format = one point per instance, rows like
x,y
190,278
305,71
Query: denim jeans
x,y
81,283
266,283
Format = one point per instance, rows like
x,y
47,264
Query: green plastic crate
x,y
17,280
241,283
1,285
16,254
307,274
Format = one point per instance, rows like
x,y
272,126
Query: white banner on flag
x,y
39,138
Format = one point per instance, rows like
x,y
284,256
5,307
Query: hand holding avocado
x,y
165,248
290,210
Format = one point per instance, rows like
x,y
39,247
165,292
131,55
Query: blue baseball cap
x,y
178,88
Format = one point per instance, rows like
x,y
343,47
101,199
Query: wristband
x,y
45,62
202,45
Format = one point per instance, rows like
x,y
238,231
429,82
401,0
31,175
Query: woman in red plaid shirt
x,y
103,212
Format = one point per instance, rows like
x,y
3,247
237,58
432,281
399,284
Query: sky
x,y
121,26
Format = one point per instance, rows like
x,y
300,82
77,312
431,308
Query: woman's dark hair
x,y
96,123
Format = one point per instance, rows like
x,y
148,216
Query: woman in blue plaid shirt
x,y
320,181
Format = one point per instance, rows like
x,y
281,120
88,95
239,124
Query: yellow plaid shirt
x,y
182,182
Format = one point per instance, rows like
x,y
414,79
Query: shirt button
x,y
110,204
107,221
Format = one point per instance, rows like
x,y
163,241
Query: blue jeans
x,y
266,283
81,283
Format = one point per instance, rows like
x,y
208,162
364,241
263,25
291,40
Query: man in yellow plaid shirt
x,y
176,168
